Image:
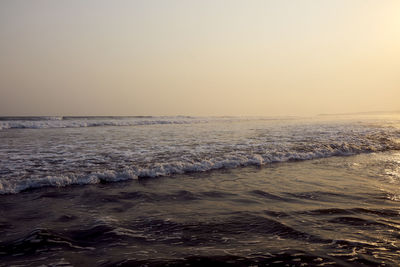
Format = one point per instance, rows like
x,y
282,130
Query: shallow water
x,y
42,153
341,207
325,211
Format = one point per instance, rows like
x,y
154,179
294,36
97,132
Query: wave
x,y
31,118
232,233
46,122
78,122
158,169
68,159
52,118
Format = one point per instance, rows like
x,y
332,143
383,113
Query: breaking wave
x,y
77,122
35,159
96,121
181,167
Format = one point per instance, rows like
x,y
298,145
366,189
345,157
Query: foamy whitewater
x,y
191,191
59,151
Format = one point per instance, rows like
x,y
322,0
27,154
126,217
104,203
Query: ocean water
x,y
155,191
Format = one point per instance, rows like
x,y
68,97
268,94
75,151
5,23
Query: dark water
x,y
333,211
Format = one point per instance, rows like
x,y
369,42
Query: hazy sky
x,y
198,57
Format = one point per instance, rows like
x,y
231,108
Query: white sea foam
x,y
179,167
10,187
34,159
44,124
78,122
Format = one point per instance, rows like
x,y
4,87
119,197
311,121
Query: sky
x,y
199,58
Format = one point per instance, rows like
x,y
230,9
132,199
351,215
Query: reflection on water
x,y
332,211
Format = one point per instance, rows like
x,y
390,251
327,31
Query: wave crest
x,y
181,167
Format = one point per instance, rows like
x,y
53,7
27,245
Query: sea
x,y
200,191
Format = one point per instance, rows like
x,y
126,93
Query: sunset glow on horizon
x,y
199,58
